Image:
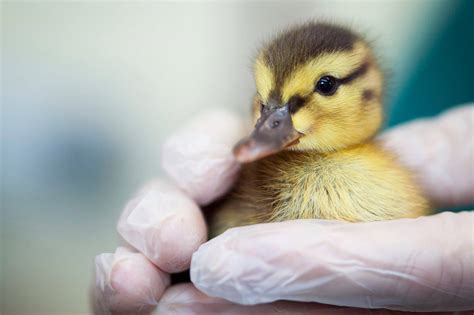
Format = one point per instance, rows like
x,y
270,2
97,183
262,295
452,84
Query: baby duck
x,y
312,154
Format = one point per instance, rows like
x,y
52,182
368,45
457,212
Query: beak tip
x,y
240,159
240,153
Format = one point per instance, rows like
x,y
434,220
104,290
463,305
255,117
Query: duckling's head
x,y
318,88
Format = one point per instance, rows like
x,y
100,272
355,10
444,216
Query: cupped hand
x,y
163,224
419,264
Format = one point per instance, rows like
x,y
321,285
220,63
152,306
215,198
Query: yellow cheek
x,y
344,102
303,120
332,122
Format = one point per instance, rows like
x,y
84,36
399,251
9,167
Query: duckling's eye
x,y
327,85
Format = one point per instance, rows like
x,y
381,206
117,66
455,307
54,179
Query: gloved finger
x,y
441,153
165,225
127,282
186,299
422,264
199,156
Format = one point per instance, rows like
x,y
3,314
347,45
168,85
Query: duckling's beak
x,y
273,132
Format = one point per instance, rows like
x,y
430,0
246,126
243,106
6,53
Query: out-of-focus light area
x,y
91,89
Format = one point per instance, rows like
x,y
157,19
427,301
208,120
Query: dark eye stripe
x,y
295,103
355,74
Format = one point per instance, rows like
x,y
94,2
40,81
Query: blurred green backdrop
x,y
442,76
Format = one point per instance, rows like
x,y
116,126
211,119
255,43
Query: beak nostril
x,y
273,132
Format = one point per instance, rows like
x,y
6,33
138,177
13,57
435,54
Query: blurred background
x,y
89,90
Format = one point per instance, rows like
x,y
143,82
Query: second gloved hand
x,y
422,264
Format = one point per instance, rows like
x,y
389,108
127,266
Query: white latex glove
x,y
164,225
186,299
424,264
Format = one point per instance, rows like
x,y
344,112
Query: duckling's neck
x,y
306,184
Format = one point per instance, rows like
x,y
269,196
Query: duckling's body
x,y
363,183
312,154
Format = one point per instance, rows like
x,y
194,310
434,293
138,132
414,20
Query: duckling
x,y
312,154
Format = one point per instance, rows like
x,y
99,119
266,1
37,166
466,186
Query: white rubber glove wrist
x,y
423,264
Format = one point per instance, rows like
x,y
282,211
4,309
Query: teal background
x,y
443,77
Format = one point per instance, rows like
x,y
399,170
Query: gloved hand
x,y
411,264
163,225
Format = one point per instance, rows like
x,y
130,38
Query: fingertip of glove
x,y
198,157
165,225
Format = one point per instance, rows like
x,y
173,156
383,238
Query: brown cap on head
x,y
302,43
